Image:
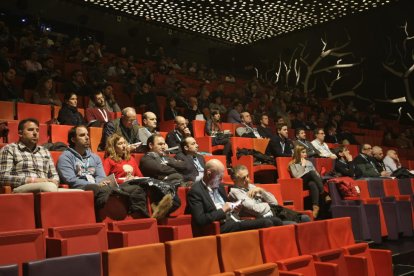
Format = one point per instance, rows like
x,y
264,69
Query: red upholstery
x,y
43,113
181,259
95,135
16,212
166,125
278,245
132,232
244,257
379,262
182,228
324,165
70,220
59,133
55,156
7,110
13,135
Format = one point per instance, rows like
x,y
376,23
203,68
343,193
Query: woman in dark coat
x,y
69,114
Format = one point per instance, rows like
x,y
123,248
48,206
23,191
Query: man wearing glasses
x,y
321,146
365,163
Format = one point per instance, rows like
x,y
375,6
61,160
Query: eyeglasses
x,y
368,149
322,133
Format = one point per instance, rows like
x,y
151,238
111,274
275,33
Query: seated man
x,y
379,164
247,129
98,115
207,202
149,123
258,202
180,131
301,140
344,164
320,145
264,130
391,161
26,166
156,164
83,169
280,145
194,162
125,126
364,163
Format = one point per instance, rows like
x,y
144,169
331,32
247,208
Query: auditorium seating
x,y
7,111
244,258
9,270
13,135
59,133
69,218
43,113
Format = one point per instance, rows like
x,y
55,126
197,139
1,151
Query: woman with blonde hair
x,y
300,167
118,161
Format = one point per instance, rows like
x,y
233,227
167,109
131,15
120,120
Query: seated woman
x,y
300,167
45,92
170,110
118,161
219,137
69,114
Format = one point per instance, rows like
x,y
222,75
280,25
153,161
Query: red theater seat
x,y
43,113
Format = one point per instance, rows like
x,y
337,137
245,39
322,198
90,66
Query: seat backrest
x,y
16,212
376,188
229,126
84,264
64,208
141,231
182,260
55,156
312,237
7,110
363,188
282,164
241,143
13,135
334,193
404,185
198,128
340,232
324,165
391,187
137,260
274,189
43,112
238,250
278,243
95,135
167,125
261,144
59,133
182,194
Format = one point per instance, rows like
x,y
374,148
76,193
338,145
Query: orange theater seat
x,y
43,113
59,133
95,135
7,110
244,258
13,135
137,260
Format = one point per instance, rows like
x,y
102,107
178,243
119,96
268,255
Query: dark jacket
x,y
69,115
130,135
265,132
191,172
345,168
311,151
276,149
151,165
365,166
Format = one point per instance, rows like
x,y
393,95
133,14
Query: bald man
x,y
207,202
149,123
180,131
126,126
391,161
378,155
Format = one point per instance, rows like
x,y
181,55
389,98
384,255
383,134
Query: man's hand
x,y
53,181
348,156
385,173
252,193
104,183
187,132
333,156
226,207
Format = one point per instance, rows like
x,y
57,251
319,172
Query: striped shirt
x,y
17,162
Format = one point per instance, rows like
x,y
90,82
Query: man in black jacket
x,y
194,162
207,202
300,134
280,145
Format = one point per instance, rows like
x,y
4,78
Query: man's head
x,y
180,123
241,176
366,149
28,130
77,76
192,101
78,138
377,153
149,120
156,144
245,117
282,130
98,99
9,75
145,87
264,120
280,120
128,117
340,151
300,133
392,154
213,173
238,106
320,134
189,145
331,130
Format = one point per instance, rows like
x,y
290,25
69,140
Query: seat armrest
x,y
326,269
262,269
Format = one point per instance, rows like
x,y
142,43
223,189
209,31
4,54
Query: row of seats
x,y
284,250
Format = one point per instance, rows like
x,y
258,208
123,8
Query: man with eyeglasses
x,y
365,163
321,146
149,125
207,202
126,126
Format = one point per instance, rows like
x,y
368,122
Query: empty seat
x,y
95,135
240,252
182,259
70,220
17,212
137,260
43,113
59,133
7,110
80,265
